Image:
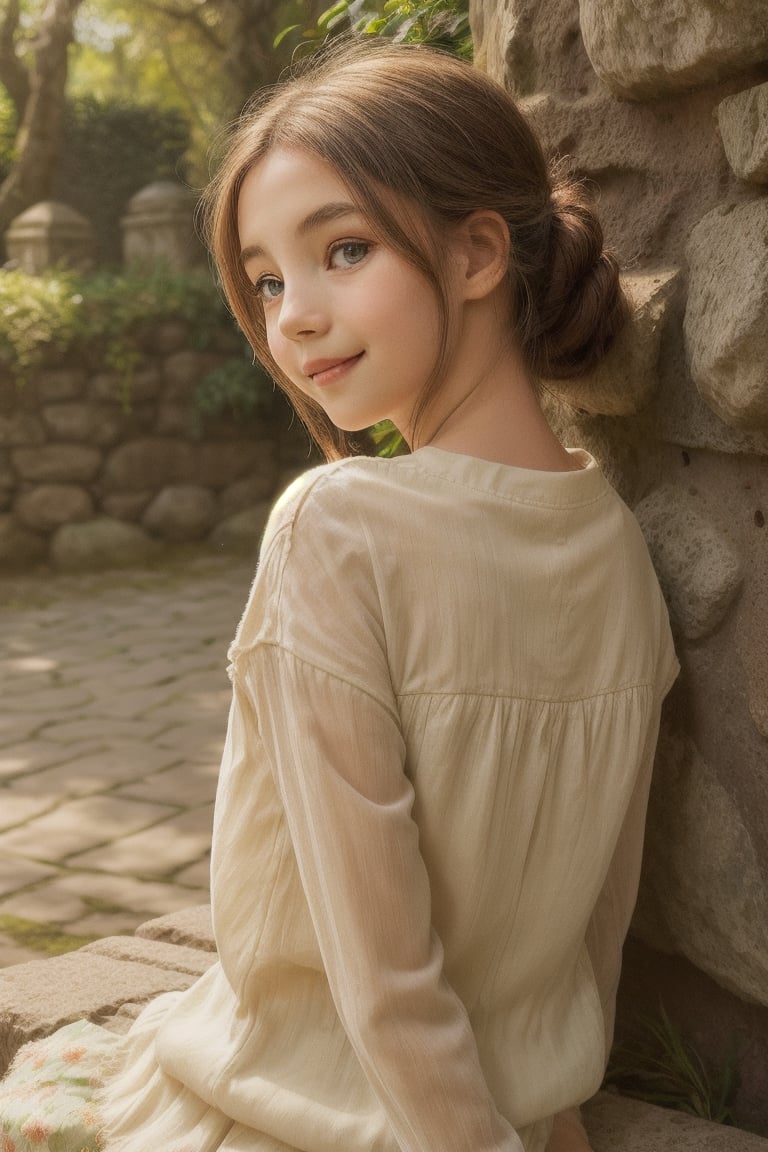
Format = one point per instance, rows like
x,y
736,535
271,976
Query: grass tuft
x,y
661,1067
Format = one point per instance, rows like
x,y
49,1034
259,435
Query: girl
x,y
448,677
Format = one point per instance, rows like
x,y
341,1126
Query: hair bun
x,y
581,307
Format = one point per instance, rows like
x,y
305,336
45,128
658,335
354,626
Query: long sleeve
x,y
338,758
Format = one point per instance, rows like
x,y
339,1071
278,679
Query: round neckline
x,y
588,461
509,482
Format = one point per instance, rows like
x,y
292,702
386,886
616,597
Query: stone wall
x,y
100,470
664,110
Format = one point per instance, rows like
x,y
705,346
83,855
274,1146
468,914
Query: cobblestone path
x,y
113,709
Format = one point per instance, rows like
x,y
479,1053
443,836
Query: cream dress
x,y
428,829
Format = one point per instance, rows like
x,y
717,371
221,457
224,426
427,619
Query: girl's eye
x,y
348,253
268,287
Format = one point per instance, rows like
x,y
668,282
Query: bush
x,y
104,319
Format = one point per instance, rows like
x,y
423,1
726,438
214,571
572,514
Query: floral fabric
x,y
47,1097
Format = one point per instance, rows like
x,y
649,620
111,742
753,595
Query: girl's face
x,y
348,320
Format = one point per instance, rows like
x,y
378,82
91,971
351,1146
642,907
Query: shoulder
x,y
329,498
315,593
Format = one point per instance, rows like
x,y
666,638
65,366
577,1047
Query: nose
x,y
303,310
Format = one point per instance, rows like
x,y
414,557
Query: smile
x,y
324,372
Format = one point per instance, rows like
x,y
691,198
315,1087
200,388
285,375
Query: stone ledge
x,y
38,997
618,1124
109,981
190,926
155,953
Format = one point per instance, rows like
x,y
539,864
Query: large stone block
x,y
726,333
7,478
221,463
626,379
171,956
56,384
702,892
50,505
101,543
73,421
19,548
21,430
743,123
190,926
128,390
181,513
751,648
646,48
43,995
245,493
618,1124
684,419
638,160
242,532
699,569
125,505
179,420
58,463
532,46
150,463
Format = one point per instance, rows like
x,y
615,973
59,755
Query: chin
x,y
352,425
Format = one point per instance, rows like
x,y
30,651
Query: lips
x,y
326,371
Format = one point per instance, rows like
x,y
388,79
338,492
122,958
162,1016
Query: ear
x,y
482,249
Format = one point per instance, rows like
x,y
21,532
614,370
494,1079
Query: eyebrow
x,y
327,212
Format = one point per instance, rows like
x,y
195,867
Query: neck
x,y
487,407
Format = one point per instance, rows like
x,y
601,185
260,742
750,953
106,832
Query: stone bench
x,y
109,981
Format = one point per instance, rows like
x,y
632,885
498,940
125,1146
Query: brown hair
x,y
413,124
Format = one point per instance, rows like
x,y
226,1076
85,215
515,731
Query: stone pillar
x,y
158,228
49,233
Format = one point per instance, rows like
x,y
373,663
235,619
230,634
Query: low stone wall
x,y
99,470
109,981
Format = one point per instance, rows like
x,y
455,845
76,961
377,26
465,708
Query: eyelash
x,y
338,246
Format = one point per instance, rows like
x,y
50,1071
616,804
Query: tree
x,y
38,91
205,57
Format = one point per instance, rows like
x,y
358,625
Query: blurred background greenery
x,y
100,97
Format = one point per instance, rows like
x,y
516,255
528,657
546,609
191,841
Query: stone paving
x,y
113,710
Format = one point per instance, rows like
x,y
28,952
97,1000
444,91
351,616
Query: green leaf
x,y
387,440
282,35
337,20
336,10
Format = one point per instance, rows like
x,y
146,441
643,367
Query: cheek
x,y
276,342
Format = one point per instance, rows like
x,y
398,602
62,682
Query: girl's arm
x,y
338,759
